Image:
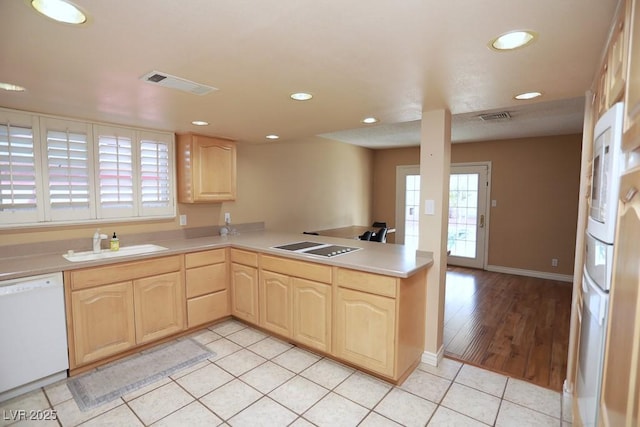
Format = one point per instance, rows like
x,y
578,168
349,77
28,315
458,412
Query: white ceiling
x,y
385,58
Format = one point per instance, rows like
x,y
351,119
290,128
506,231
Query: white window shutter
x,y
156,174
20,186
116,189
68,161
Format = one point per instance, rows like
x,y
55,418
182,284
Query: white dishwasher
x,y
33,334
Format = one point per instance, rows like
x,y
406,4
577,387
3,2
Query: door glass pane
x,y
463,215
412,209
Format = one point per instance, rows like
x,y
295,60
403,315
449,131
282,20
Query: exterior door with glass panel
x,y
407,205
467,225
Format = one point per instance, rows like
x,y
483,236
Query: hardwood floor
x,y
510,324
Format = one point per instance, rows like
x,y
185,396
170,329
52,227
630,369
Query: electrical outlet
x,y
227,217
554,262
183,220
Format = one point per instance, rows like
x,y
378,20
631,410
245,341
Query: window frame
x,y
45,216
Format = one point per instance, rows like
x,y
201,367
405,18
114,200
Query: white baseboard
x,y
433,359
530,273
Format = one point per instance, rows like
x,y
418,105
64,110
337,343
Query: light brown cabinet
x,y
365,330
617,61
244,285
103,322
206,284
631,138
275,303
115,308
621,378
159,306
379,321
206,169
295,300
312,313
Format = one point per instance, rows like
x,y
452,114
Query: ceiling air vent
x,y
495,116
173,82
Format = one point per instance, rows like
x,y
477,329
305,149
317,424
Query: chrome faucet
x,y
97,239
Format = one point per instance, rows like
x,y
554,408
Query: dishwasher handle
x,y
29,284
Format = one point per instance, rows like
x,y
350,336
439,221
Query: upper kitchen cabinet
x,y
631,138
206,169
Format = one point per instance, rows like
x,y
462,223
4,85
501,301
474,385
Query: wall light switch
x,y
429,207
183,220
494,203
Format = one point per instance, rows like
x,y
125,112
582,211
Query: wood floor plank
x,y
511,324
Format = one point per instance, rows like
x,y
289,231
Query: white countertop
x,y
380,258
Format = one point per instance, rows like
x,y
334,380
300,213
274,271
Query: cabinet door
x,y
206,169
621,355
244,292
103,321
365,330
631,138
275,302
312,314
617,60
159,306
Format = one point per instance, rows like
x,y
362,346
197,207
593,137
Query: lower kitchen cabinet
x,y
379,321
206,284
115,308
244,285
103,321
159,306
295,300
312,313
365,330
275,302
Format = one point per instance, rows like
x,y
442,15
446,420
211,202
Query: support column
x,y
435,161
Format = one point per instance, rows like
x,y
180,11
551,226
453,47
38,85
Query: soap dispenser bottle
x,y
115,243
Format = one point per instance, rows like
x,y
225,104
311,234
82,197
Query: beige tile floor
x,y
257,380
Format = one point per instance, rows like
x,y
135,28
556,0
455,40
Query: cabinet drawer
x,y
207,308
207,279
198,259
367,282
125,271
244,257
304,270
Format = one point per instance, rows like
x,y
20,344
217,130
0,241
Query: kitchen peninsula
x,y
365,307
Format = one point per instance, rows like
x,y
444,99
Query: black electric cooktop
x,y
315,248
299,245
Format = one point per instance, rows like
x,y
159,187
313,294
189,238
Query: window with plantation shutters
x,y
55,171
69,170
155,175
116,194
18,170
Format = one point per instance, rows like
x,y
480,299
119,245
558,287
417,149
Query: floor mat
x,y
111,381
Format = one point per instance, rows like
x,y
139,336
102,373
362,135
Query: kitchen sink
x,y
107,253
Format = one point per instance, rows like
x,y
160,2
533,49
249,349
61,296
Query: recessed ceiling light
x,y
60,10
199,123
11,87
301,96
369,120
272,136
527,95
513,40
